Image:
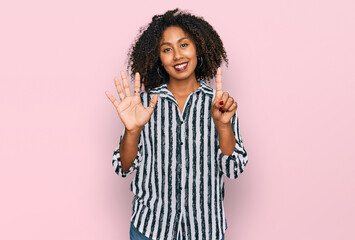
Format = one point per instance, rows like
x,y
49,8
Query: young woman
x,y
180,136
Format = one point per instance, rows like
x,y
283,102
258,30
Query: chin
x,y
182,76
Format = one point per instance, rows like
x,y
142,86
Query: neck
x,y
182,88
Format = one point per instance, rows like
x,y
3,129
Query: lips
x,y
181,66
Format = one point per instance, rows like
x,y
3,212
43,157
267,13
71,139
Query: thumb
x,y
215,103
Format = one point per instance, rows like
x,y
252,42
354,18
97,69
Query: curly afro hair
x,y
143,56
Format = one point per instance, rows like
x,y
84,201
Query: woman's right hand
x,y
131,110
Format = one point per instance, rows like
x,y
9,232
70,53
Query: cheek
x,y
165,58
162,59
193,58
192,54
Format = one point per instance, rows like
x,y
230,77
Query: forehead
x,y
173,33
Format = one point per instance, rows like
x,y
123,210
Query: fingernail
x,y
220,109
221,103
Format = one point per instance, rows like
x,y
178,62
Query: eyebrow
x,y
167,43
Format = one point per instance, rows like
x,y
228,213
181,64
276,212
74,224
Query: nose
x,y
177,54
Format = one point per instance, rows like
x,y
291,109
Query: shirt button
x,y
179,211
180,188
181,143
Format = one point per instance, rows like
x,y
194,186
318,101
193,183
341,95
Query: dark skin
x,y
177,47
181,84
144,54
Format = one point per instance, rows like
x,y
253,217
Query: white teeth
x,y
181,65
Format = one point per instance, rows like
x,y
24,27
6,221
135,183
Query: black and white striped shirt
x,y
179,183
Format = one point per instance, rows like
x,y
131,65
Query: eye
x,y
184,44
165,50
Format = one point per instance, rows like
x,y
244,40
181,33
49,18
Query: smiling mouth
x,y
181,67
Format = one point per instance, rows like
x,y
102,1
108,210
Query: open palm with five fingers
x,y
223,106
131,110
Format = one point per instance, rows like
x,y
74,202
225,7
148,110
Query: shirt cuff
x,y
117,163
233,165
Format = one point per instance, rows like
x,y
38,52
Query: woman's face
x,y
178,54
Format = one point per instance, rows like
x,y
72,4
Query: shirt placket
x,y
182,169
182,165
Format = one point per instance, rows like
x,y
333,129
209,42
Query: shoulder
x,y
207,90
158,89
147,96
162,90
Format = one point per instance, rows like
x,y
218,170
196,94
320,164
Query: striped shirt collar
x,y
164,92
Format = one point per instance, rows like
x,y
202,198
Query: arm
x,y
128,154
226,138
231,155
134,116
128,148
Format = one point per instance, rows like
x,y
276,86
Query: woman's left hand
x,y
223,106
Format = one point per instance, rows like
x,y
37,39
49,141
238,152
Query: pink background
x,y
291,71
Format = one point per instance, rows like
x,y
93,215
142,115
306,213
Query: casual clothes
x,y
179,183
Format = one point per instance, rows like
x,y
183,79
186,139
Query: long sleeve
x,y
233,165
116,160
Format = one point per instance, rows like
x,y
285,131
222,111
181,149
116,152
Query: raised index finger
x,y
219,91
